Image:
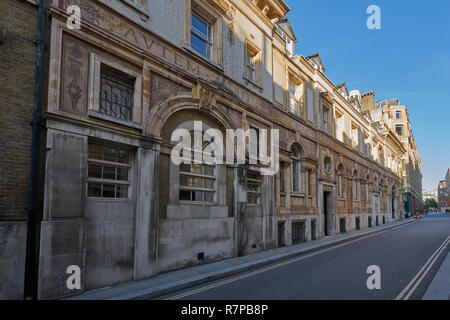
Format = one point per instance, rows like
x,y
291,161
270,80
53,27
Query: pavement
x,y
439,288
176,281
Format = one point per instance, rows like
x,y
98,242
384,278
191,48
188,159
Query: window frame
x,y
254,182
397,126
296,162
194,175
209,40
295,80
252,51
112,79
115,164
207,13
96,60
355,187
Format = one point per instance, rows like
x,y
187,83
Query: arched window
x,y
355,186
296,169
196,180
367,188
340,183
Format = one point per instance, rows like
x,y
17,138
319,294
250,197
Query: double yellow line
x,y
293,260
415,282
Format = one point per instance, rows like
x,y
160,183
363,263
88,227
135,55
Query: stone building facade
x,y
118,88
443,194
411,164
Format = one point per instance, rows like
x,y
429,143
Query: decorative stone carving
x,y
161,88
74,76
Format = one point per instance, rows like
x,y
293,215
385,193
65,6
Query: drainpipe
x,y
32,253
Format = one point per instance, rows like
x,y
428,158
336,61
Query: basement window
x,y
253,187
298,232
108,172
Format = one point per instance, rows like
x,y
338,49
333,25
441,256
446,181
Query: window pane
x,y
122,192
94,190
187,181
109,172
199,45
209,196
122,156
185,195
95,152
109,154
109,191
292,89
208,183
196,168
122,174
209,170
200,26
185,167
94,170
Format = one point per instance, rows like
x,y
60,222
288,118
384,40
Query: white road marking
x,y
247,275
414,283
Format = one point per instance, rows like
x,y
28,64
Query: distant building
x,y
393,118
444,194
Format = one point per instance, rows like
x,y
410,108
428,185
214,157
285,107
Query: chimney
x,y
367,101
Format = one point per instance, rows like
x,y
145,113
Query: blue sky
x,y
409,59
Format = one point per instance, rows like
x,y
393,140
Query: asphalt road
x,y
403,255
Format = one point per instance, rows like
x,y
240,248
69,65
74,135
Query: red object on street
x,y
417,215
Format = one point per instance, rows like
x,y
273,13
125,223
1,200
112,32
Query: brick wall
x,y
17,74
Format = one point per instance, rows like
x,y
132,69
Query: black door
x,y
325,212
281,234
313,230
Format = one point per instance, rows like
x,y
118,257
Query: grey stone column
x,y
268,200
62,229
240,210
147,199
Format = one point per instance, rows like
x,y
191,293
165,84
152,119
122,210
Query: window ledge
x,y
256,84
206,59
297,194
197,203
144,14
101,116
99,199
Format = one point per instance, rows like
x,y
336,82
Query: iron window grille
x,y
116,93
